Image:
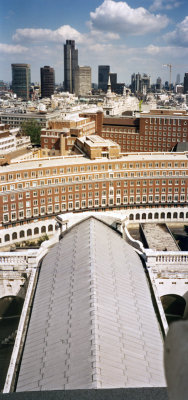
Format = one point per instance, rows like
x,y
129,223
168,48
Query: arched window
x,y
174,307
131,217
50,228
175,215
150,216
14,235
43,229
144,216
36,231
137,216
156,216
22,234
168,215
181,215
7,237
29,232
162,215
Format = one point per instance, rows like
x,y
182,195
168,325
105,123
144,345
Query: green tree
x,y
32,129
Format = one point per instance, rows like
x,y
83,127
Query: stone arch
x,y
10,305
29,232
175,215
181,214
187,215
163,215
150,216
131,217
144,216
43,229
36,231
14,235
137,216
50,228
7,237
156,215
174,307
169,215
22,234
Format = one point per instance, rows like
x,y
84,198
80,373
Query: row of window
x,y
102,167
165,121
84,195
83,187
58,181
77,204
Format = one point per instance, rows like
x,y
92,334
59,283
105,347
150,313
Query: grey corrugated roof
x,y
93,324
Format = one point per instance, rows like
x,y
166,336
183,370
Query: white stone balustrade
x,y
25,260
167,258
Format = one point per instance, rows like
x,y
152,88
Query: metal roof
x,y
93,324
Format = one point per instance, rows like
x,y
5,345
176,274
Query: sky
x,y
130,36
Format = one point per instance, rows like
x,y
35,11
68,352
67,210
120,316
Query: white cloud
x,y
105,36
164,5
12,49
37,35
118,17
179,36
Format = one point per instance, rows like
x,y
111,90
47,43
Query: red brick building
x,y
44,188
158,130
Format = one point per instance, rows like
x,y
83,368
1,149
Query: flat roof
x,y
61,161
97,141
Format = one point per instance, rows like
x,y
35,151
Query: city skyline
x,y
137,36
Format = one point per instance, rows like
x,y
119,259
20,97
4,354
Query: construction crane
x,y
170,69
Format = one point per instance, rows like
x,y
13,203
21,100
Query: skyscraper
x,y
186,82
82,81
70,63
21,80
47,77
159,83
178,79
103,74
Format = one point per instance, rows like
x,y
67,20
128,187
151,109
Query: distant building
x,y
47,76
186,83
178,79
115,86
82,81
21,80
140,83
113,80
70,63
11,140
3,86
103,74
179,89
159,83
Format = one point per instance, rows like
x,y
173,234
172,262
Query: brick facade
x,y
155,131
40,189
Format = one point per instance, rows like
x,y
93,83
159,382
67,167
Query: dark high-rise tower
x,y
21,80
185,83
70,63
47,77
103,75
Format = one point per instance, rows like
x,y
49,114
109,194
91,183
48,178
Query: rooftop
x,y
93,324
97,141
74,160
